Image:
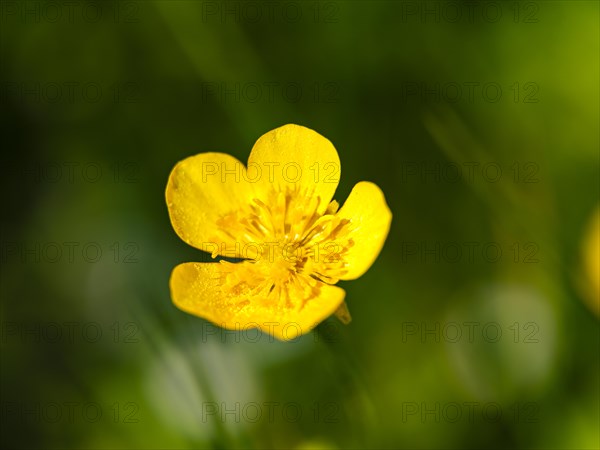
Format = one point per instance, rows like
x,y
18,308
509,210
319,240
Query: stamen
x,y
287,217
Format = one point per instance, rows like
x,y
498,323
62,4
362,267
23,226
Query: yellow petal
x,y
206,194
203,289
296,159
591,256
370,220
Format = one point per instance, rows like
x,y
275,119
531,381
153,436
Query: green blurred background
x,y
476,327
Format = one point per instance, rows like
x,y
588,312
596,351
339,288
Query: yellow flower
x,y
278,215
590,250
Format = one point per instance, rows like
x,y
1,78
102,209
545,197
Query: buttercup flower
x,y
277,214
590,250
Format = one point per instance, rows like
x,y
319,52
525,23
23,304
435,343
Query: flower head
x,y
590,250
278,216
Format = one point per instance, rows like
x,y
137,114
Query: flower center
x,y
289,246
